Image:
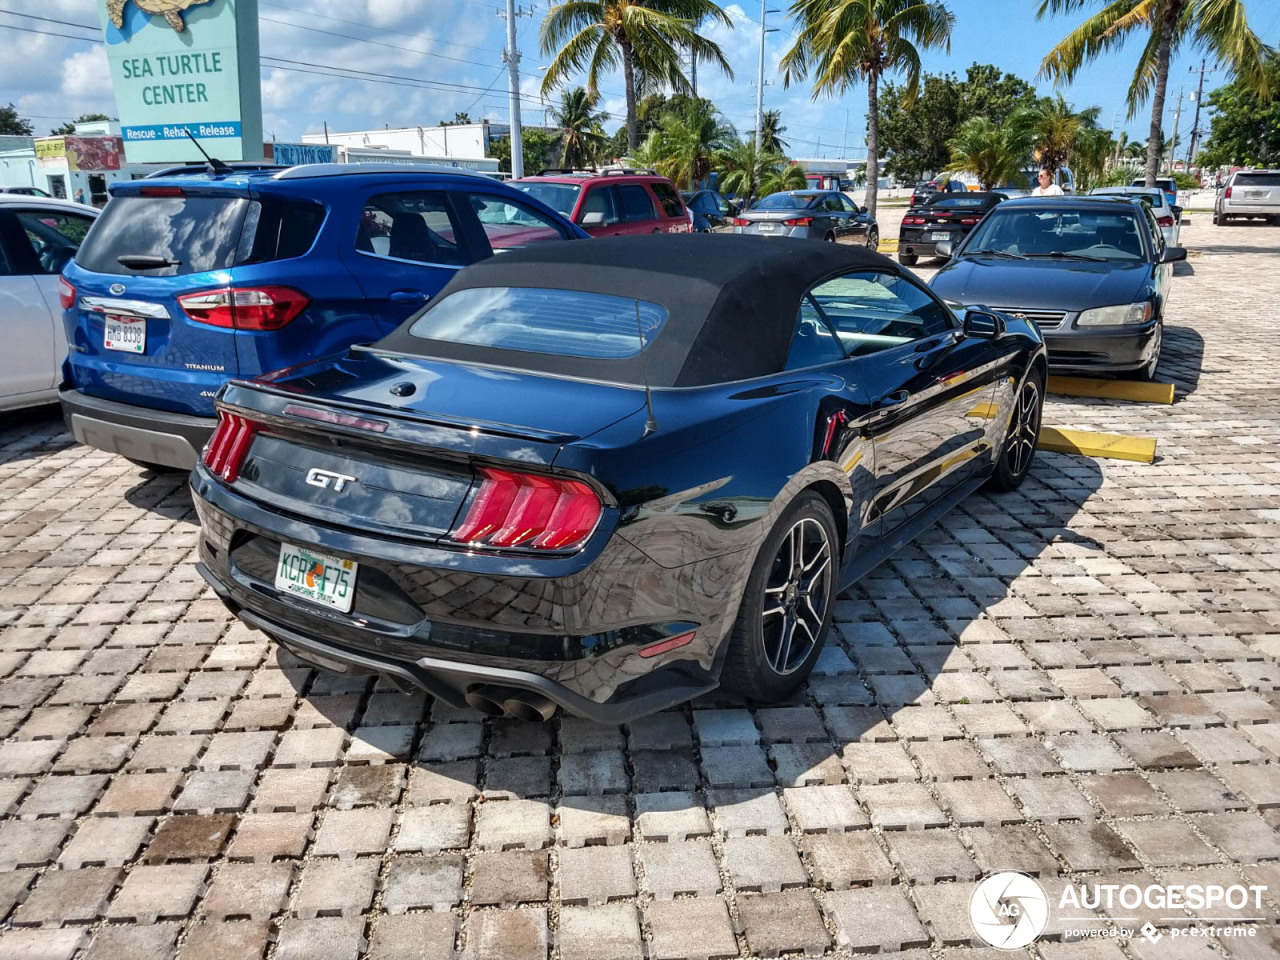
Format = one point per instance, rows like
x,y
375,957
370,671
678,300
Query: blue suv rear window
x,y
199,233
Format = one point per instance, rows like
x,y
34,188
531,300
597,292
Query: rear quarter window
x,y
197,233
1258,179
670,200
279,229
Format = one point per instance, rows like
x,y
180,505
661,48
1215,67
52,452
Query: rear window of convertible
x,y
566,323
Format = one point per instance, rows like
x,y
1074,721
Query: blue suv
x,y
187,281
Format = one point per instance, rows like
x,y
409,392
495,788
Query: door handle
x,y
408,296
894,399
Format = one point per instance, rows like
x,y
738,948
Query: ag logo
x,y
1008,910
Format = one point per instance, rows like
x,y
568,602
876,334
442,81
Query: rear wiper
x,y
1059,255
146,261
995,253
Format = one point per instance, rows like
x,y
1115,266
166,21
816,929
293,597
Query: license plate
x,y
318,577
1256,194
766,227
125,333
940,235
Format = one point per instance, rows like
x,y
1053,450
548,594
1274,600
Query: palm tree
x,y
845,41
992,152
771,131
581,130
750,173
1090,154
1053,125
1218,26
645,36
690,137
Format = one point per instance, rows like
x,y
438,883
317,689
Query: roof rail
x,y
626,171
307,170
239,166
562,171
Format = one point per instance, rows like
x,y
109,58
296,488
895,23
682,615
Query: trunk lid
x,y
391,444
1262,189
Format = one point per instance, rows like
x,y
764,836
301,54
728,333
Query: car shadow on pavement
x,y
32,433
933,646
1182,358
166,493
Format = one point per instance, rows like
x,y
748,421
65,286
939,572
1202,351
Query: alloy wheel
x,y
873,239
796,596
1025,428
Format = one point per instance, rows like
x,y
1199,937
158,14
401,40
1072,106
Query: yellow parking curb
x,y
1111,389
1114,446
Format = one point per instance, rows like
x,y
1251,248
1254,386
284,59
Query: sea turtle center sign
x,y
179,65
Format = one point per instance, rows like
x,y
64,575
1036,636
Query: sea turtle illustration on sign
x,y
171,10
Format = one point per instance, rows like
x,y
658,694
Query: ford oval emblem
x,y
116,289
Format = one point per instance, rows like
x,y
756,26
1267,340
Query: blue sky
x,y
458,44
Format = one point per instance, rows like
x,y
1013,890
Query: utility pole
x,y
511,57
764,10
844,140
1195,125
1173,142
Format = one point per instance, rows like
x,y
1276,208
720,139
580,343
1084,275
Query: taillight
x,y
521,509
245,308
914,221
1227,194
66,294
798,222
969,220
1165,221
740,222
225,452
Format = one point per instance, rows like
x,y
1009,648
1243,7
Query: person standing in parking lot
x,y
1045,187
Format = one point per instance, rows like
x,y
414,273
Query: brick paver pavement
x,y
1079,681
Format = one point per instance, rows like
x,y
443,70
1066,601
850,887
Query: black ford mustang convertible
x,y
609,475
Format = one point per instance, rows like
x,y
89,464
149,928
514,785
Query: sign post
x,y
181,65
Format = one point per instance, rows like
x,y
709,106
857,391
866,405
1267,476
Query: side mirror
x,y
983,324
943,248
862,209
1177,212
1173,254
593,219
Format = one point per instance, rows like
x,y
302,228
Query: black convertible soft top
x,y
731,300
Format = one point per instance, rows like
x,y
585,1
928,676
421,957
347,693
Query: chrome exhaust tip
x,y
528,706
488,700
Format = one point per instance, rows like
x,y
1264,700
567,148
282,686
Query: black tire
x,y
762,662
1217,220
1019,448
873,239
829,238
1148,370
907,259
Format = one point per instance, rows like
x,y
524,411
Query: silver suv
x,y
1248,193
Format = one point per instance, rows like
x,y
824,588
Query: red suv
x,y
612,202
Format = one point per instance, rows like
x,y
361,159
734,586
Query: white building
x,y
461,144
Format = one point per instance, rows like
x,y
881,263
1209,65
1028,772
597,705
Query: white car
x,y
38,235
1169,218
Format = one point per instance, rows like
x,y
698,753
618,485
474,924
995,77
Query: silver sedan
x,y
811,215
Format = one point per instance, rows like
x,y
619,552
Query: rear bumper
x,y
1233,209
139,433
1113,352
448,620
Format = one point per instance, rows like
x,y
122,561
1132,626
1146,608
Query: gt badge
x,y
325,479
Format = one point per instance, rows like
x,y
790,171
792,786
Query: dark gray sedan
x,y
810,215
1092,273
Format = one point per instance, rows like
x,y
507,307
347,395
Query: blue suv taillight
x,y
245,308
